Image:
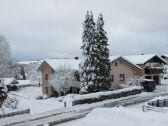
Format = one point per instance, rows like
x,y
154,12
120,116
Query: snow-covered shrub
x,y
132,82
3,93
11,102
44,96
63,79
164,75
100,96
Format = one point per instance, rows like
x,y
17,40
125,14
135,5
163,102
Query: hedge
x,y
100,96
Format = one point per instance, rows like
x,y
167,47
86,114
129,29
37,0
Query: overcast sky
x,y
53,28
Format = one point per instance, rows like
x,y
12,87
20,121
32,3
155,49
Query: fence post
x,y
157,103
164,102
144,108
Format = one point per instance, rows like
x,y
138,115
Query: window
x,y
112,78
116,64
46,77
122,77
46,90
77,76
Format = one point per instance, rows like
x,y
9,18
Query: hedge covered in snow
x,y
100,96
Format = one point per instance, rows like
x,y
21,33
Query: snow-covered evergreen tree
x,y
88,67
95,70
103,64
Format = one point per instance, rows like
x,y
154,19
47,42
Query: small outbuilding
x,y
10,83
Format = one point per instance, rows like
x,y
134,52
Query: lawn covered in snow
x,y
27,99
121,116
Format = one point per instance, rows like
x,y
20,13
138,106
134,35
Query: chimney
x,y
76,58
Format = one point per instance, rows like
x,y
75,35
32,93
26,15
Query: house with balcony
x,y
151,66
147,66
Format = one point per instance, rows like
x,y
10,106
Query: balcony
x,y
154,70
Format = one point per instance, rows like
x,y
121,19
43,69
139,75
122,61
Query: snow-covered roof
x,y
29,62
8,81
57,63
24,82
141,59
164,55
113,58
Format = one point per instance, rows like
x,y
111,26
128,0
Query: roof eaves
x,y
43,63
158,57
138,67
121,57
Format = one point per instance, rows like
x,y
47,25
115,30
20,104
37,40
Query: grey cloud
x,y
50,28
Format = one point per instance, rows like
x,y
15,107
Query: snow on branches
x,y
63,79
95,69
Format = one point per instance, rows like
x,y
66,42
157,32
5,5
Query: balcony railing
x,y
154,70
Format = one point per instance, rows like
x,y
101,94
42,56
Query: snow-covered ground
x,y
131,115
27,99
121,116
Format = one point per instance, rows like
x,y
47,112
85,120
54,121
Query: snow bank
x,y
121,117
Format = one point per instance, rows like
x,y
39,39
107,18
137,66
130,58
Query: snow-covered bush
x,y
63,79
165,72
3,93
40,97
131,82
11,102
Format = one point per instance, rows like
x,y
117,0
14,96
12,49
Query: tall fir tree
x,y
95,69
88,70
104,67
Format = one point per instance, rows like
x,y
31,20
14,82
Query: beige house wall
x,y
46,89
121,68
